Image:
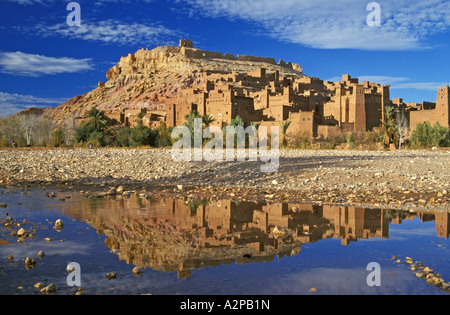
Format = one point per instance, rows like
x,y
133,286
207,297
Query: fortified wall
x,y
187,49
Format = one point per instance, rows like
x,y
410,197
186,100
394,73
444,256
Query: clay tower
x,y
443,106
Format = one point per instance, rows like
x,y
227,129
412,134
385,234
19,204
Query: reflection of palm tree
x,y
389,215
140,202
193,205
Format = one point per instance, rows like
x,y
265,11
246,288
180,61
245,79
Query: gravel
x,y
407,179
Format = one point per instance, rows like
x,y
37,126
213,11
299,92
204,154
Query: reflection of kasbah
x,y
167,83
178,235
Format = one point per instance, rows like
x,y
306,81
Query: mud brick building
x,y
432,112
315,107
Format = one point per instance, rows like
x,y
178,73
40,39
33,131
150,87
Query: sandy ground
x,y
407,179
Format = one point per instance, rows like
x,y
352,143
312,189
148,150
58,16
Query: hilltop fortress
x,y
167,83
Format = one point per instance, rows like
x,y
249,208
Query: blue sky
x,y
44,61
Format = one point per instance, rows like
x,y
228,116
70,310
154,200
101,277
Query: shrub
x,y
4,142
440,136
83,132
93,129
302,140
136,136
97,137
57,138
142,135
426,136
350,139
163,139
123,137
95,144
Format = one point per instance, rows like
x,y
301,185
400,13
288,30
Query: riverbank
x,y
407,179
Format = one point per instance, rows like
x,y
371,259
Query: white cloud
x,y
110,32
424,86
13,103
330,24
396,83
20,63
31,2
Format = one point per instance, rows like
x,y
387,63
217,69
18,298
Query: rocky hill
x,y
147,76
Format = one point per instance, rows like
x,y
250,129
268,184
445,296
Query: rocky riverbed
x,y
407,179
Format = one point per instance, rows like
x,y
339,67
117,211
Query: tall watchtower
x,y
443,106
186,43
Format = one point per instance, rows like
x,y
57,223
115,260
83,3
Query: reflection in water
x,y
179,235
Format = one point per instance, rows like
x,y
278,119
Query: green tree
x,y
237,121
389,134
425,135
94,129
190,122
142,135
284,127
350,139
163,136
82,133
97,137
207,120
57,138
255,124
440,136
123,137
97,119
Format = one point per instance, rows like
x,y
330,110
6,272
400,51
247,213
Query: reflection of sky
x,y
412,228
327,265
349,281
65,248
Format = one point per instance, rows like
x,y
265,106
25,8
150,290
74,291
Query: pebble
x,y
30,261
39,285
111,275
428,270
40,254
59,223
51,288
430,277
420,275
138,270
337,172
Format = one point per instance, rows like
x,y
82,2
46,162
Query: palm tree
x,y
389,134
284,127
98,120
190,123
207,120
256,125
237,121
